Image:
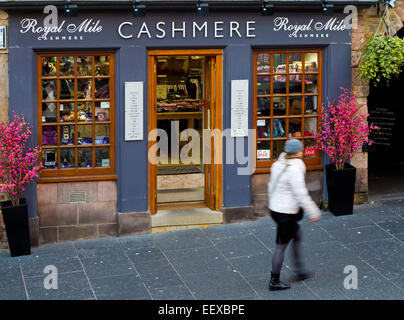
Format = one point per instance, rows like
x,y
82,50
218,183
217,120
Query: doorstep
x,y
165,220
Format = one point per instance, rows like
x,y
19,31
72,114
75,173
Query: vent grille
x,y
78,197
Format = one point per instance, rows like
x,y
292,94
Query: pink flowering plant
x,y
344,130
19,165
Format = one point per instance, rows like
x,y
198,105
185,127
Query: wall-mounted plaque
x,y
133,111
239,108
3,37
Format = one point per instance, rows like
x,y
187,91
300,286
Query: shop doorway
x,y
185,99
386,156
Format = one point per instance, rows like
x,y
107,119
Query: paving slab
x,y
219,285
177,292
253,264
221,232
106,264
198,260
240,247
361,234
15,293
138,241
385,256
393,225
10,274
34,265
375,287
126,287
70,286
182,239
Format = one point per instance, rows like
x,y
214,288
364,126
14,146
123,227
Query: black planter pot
x,y
341,189
17,228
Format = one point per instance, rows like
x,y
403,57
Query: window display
x,y
84,89
102,157
102,65
77,112
67,158
66,66
287,98
49,112
49,135
49,66
67,113
50,159
49,90
84,66
85,158
67,135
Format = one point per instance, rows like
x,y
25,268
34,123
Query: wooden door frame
x,y
152,123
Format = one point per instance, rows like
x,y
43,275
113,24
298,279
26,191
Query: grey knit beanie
x,y
293,146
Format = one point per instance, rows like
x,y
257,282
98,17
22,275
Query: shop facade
x,y
96,86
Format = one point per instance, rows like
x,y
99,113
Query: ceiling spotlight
x,y
71,10
139,10
267,8
202,9
328,9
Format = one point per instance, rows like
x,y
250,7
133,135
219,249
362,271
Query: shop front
x,y
140,116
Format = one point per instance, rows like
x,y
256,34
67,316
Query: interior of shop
x,y
180,102
386,156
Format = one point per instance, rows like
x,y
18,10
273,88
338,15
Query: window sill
x,y
77,178
308,168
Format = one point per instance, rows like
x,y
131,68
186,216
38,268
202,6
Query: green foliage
x,y
383,58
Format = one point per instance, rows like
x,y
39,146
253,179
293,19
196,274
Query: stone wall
x,y
368,22
3,110
61,220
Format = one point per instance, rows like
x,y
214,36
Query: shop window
x,y
76,114
287,103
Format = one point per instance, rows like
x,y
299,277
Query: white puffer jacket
x,y
290,191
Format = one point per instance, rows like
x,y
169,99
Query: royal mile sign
x,y
64,31
138,29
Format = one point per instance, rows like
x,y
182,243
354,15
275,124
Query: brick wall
x,y
3,110
60,220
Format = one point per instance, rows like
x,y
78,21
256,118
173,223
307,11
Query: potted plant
x,y
383,54
19,165
382,59
344,131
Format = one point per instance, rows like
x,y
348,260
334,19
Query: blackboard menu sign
x,y
386,119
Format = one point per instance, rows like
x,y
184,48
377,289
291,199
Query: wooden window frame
x,y
263,166
76,173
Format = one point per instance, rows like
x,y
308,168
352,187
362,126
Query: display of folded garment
x,y
86,140
101,140
189,105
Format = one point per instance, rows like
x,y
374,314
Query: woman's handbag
x,y
299,215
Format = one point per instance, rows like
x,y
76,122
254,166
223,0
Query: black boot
x,y
276,284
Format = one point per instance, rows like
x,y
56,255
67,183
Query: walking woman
x,y
288,199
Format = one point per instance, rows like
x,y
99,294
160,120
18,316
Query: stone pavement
x,y
221,262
